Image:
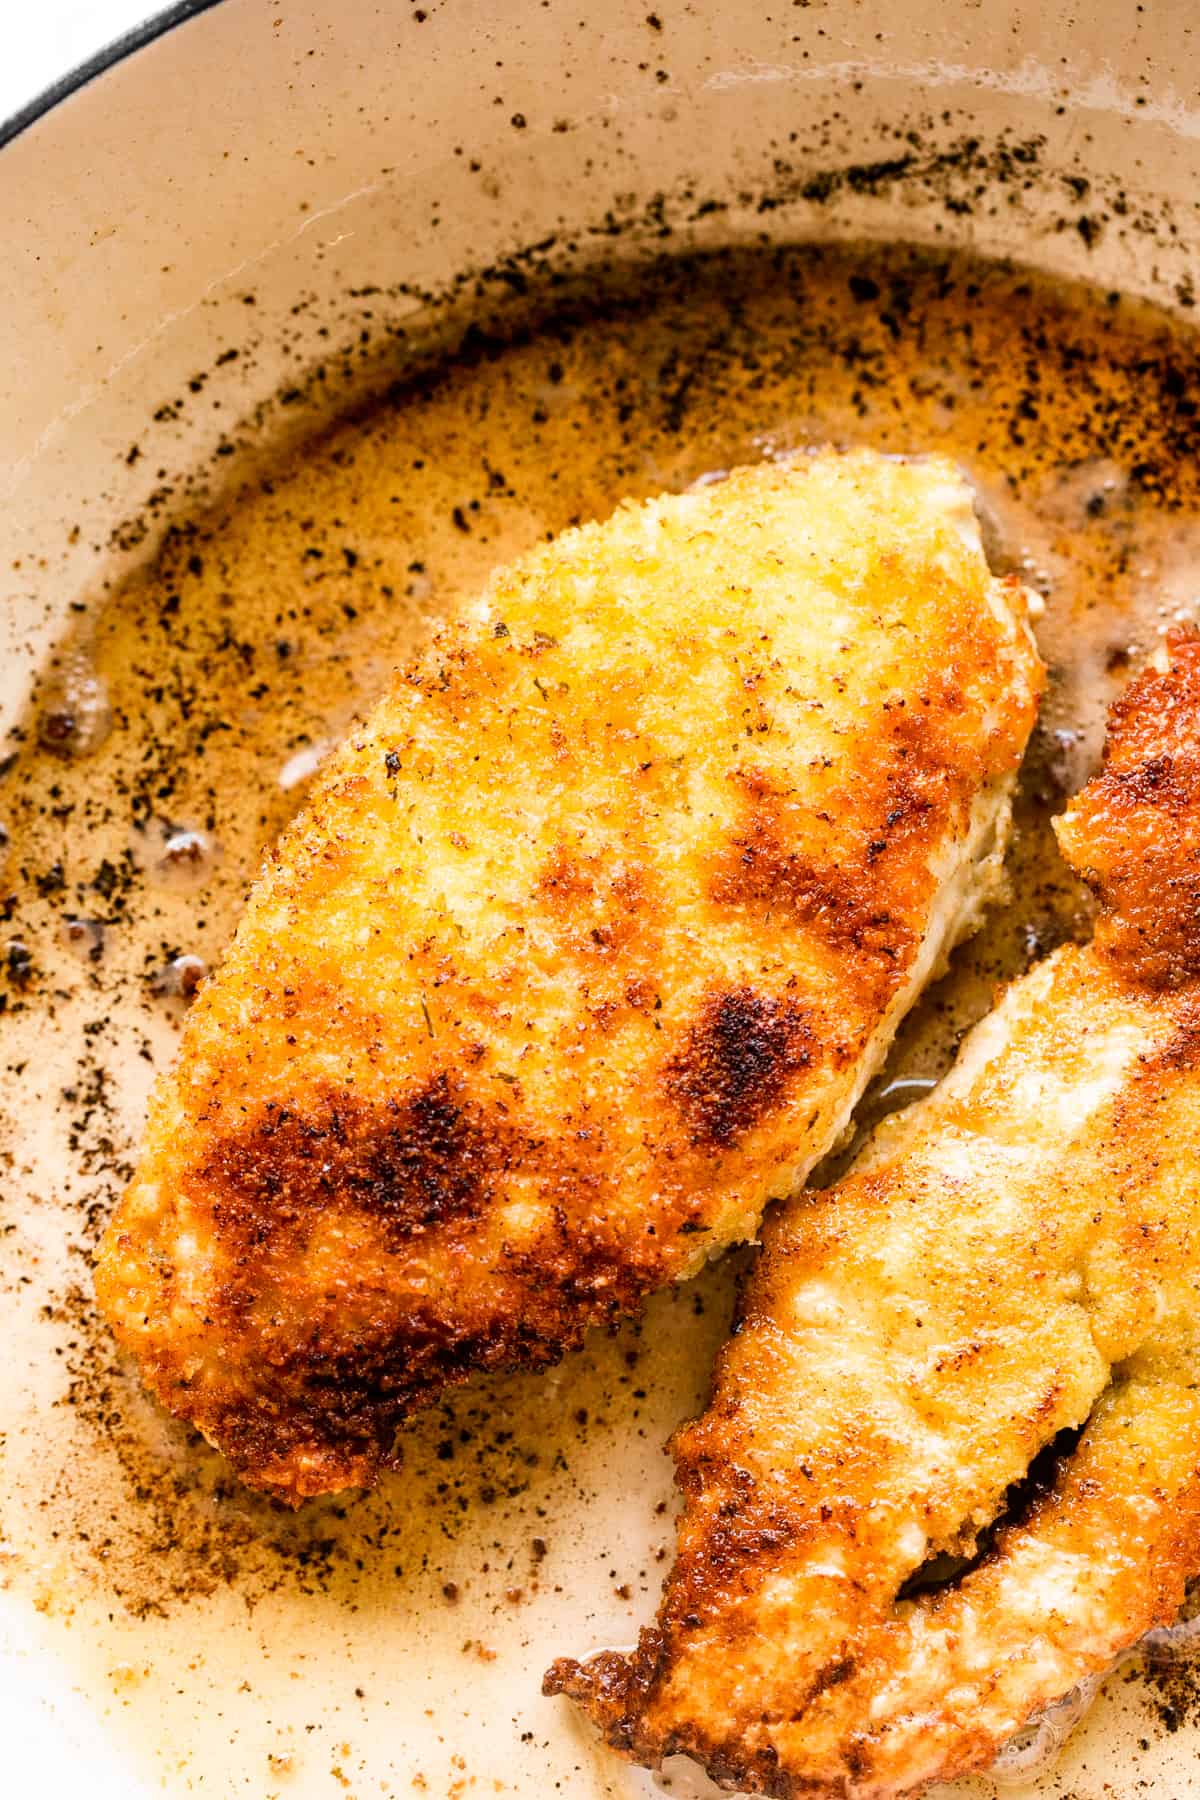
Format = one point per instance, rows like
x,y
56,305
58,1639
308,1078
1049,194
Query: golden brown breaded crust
x,y
582,948
951,1464
1134,833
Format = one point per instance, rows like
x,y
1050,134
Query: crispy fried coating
x,y
951,1463
583,947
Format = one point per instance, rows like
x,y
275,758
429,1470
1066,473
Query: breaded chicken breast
x,y
584,946
951,1463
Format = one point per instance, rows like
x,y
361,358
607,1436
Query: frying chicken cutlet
x,y
873,1588
584,946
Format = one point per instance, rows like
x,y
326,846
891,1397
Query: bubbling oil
x,y
394,1643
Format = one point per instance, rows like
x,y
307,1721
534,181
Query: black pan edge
x,y
105,59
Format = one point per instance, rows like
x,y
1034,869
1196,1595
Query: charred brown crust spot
x,y
336,1399
408,1164
857,879
759,869
328,1401
737,1064
831,1676
338,1406
1133,834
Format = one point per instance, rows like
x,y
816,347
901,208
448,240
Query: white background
x,y
48,38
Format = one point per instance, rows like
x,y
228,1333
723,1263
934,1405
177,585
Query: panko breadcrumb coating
x,y
583,947
951,1464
